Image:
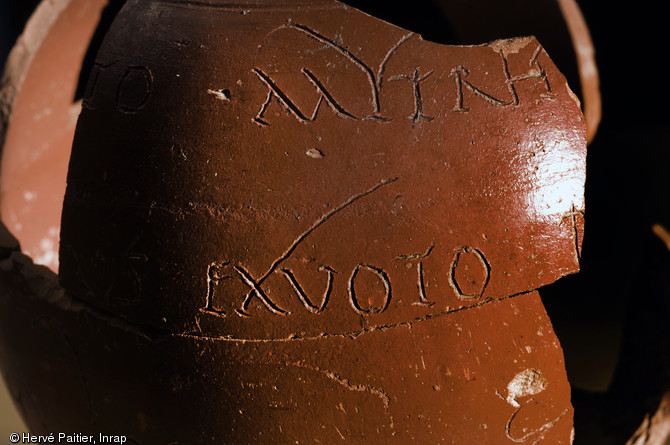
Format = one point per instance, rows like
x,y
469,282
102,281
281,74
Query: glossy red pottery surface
x,y
296,222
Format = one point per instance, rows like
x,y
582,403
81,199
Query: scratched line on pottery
x,y
199,335
454,265
101,279
218,272
572,215
134,89
374,79
290,276
134,260
536,434
351,287
379,392
255,284
459,73
416,80
423,300
275,92
91,86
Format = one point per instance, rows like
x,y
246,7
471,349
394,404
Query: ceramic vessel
x,y
292,222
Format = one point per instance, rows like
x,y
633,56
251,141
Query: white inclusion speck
x,y
46,244
29,196
18,227
49,253
45,112
54,231
529,349
314,153
526,383
47,259
220,94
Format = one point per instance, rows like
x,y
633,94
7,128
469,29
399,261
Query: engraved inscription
x,y
416,80
537,72
215,274
256,291
92,84
133,261
369,287
131,87
464,87
255,285
423,300
453,282
374,79
355,299
288,104
325,95
360,304
134,89
458,73
113,279
93,273
572,216
301,293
